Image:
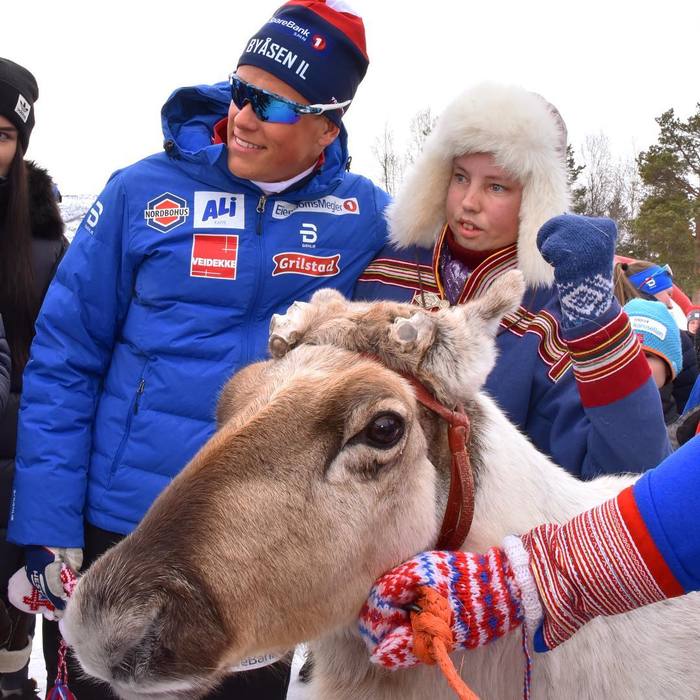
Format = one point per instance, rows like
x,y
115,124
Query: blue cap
x,y
652,280
657,331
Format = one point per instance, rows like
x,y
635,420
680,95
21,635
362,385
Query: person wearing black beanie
x,y
31,245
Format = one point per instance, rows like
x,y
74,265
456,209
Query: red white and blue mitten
x,y
581,250
603,562
46,581
555,578
483,592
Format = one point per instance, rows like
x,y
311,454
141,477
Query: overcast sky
x,y
105,68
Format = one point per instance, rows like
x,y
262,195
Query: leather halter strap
x,y
459,511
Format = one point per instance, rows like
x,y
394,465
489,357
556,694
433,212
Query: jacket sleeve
x,y
5,370
668,499
75,333
651,551
604,416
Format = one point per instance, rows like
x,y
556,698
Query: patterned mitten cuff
x,y
581,250
480,588
603,562
519,559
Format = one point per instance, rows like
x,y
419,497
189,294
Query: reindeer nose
x,y
137,659
120,673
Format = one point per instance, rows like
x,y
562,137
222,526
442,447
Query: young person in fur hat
x,y
31,246
488,194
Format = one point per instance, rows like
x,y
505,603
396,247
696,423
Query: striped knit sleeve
x,y
603,562
607,359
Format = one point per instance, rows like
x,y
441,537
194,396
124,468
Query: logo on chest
x,y
214,256
166,211
336,206
221,210
307,265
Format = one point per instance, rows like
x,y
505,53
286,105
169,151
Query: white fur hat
x,y
526,136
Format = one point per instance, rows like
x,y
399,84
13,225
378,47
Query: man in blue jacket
x,y
169,286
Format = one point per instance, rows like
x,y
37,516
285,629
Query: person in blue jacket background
x,y
169,286
488,194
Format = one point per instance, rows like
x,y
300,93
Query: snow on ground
x,y
36,660
73,208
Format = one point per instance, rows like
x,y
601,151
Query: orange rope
x,y
433,640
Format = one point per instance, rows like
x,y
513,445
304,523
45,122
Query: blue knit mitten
x,y
581,250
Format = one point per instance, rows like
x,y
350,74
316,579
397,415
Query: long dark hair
x,y
19,304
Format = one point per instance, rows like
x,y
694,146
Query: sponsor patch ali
x,y
219,210
214,256
308,265
166,211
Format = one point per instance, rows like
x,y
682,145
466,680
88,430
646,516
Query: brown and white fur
x,y
276,530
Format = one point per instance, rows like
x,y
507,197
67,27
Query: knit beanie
x,y
657,331
693,314
18,93
652,280
316,47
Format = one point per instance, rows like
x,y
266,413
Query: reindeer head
x,y
452,350
319,478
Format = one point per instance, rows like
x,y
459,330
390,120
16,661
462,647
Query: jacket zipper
x,y
139,394
133,410
261,210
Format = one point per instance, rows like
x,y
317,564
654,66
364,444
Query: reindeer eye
x,y
384,430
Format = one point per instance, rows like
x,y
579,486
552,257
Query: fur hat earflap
x,y
526,136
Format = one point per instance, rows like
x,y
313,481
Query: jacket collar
x,y
483,274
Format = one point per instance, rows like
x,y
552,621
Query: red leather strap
x,y
459,511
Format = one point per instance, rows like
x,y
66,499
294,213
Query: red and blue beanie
x,y
657,331
316,47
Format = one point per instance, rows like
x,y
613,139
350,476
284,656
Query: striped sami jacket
x,y
583,399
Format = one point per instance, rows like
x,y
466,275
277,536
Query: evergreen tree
x,y
667,229
578,192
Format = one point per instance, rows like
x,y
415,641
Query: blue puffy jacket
x,y
166,291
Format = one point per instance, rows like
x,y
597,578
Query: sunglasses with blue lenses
x,y
269,107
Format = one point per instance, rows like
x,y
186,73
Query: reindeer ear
x,y
502,297
327,296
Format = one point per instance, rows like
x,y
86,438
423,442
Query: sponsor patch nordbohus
x,y
336,206
166,211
